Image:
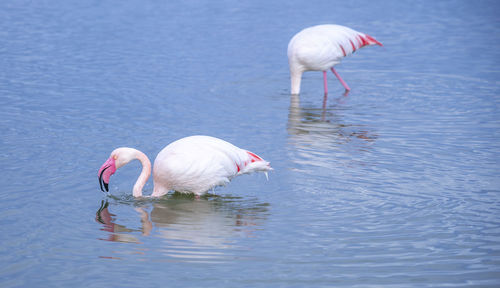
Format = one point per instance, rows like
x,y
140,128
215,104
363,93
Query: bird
x,y
193,164
321,47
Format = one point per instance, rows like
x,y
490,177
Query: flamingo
x,y
193,164
319,48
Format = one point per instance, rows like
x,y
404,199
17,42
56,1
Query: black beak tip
x,y
102,182
104,185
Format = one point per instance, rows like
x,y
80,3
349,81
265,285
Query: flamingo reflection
x,y
191,229
117,233
318,136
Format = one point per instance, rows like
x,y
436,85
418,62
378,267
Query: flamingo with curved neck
x,y
192,164
119,158
320,48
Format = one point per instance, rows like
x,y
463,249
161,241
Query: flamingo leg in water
x,y
340,79
323,113
325,82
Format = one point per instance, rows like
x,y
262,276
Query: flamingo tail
x,y
371,41
255,164
355,40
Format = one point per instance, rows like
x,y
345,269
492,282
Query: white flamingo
x,y
192,164
321,47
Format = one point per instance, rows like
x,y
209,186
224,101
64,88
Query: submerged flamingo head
x,y
107,169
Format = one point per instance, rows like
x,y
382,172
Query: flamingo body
x,y
196,164
321,47
192,164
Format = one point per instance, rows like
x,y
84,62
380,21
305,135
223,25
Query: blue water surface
x,y
395,184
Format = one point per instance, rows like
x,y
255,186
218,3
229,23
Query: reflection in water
x,y
316,133
204,229
118,233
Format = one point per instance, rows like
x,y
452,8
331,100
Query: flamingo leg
x,y
340,79
325,82
323,113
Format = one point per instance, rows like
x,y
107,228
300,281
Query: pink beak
x,y
107,169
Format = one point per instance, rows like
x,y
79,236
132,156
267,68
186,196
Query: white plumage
x,y
321,47
196,164
192,164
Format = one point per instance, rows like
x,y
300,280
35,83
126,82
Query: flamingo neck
x,y
145,173
295,78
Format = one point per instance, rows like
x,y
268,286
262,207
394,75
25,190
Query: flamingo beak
x,y
107,169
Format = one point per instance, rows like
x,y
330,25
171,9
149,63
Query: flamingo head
x,y
117,159
107,169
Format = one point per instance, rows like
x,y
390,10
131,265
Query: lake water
x,y
395,184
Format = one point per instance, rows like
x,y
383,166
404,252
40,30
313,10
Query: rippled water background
x,y
395,184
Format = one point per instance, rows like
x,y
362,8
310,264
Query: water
x,y
395,184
